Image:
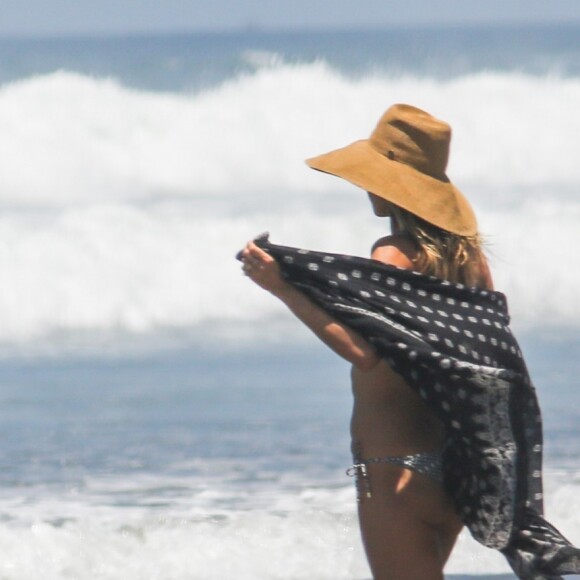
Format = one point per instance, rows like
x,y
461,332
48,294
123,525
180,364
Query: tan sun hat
x,y
404,162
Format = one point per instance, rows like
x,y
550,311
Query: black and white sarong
x,y
453,345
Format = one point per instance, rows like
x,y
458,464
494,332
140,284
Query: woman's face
x,y
381,207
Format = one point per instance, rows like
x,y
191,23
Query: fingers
x,y
254,255
251,259
259,265
257,253
252,268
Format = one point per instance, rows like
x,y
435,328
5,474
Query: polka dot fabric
x,y
453,345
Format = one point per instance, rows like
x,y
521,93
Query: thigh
x,y
406,526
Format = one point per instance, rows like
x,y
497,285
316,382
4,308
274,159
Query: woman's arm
x,y
262,269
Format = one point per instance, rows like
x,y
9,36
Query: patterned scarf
x,y
453,346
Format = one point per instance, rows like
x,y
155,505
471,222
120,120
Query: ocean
x,y
162,418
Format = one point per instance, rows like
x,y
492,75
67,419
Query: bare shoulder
x,y
396,250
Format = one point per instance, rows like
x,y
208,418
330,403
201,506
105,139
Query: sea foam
x,y
122,209
68,138
283,534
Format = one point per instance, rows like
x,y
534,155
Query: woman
x,y
408,520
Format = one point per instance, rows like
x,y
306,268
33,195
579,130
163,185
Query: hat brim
x,y
437,201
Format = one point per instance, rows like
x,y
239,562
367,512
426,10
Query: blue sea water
x,y
160,417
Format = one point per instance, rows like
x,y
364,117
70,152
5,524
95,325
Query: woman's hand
x,y
262,269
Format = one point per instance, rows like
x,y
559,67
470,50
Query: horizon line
x,y
252,28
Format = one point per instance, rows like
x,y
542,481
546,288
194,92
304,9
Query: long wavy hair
x,y
443,254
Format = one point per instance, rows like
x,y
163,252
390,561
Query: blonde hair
x,y
444,254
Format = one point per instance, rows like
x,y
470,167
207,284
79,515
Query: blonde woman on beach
x,y
429,345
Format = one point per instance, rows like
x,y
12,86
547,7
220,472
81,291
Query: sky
x,y
82,17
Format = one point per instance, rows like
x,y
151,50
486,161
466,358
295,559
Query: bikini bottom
x,y
427,463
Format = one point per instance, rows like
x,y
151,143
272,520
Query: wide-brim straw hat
x,y
404,161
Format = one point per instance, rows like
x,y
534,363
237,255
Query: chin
x,y
382,213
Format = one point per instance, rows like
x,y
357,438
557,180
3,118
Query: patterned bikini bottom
x,y
428,463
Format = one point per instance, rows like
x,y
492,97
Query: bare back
x,y
408,525
388,417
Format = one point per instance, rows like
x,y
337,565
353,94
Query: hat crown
x,y
412,136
